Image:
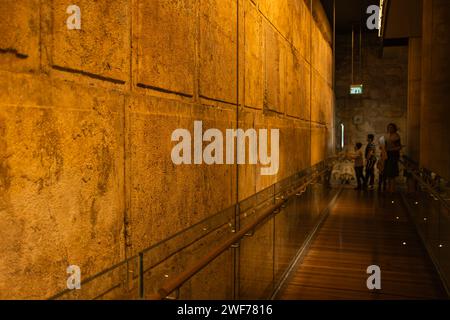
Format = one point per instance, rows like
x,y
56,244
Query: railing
x,y
428,201
214,259
177,282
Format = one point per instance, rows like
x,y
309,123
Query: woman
x,y
392,146
380,166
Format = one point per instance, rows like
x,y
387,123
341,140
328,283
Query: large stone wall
x,y
86,117
384,76
435,87
414,97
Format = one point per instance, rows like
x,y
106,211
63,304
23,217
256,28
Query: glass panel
x,y
292,226
119,282
444,245
432,214
256,264
249,270
214,282
171,257
428,196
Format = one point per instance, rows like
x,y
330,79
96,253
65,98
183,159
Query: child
x,y
371,160
359,165
380,166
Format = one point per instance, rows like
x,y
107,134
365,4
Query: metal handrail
x,y
423,183
175,283
139,256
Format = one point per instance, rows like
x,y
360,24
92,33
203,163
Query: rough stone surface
x,y
166,55
61,183
385,90
102,46
414,96
218,43
86,118
19,36
254,64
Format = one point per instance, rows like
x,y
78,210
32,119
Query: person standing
x,y
371,160
380,165
359,165
392,146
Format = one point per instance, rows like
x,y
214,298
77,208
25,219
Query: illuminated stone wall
x,y
414,97
86,117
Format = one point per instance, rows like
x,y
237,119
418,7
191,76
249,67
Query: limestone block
x,y
322,58
298,87
285,59
218,41
318,144
254,85
248,172
301,29
290,84
273,70
263,122
305,90
19,36
166,44
320,98
321,20
303,144
61,183
279,14
102,46
175,197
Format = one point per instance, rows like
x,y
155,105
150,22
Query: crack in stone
x,y
14,52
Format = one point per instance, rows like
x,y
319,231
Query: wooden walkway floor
x,y
364,229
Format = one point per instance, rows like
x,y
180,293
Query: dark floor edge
x,y
301,253
437,268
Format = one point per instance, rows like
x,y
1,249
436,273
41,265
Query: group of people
x,y
387,164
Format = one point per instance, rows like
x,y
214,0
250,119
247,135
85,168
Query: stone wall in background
x,y
86,117
384,76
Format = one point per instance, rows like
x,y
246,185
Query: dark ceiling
x,y
348,13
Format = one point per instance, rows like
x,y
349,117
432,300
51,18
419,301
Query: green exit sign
x,y
356,89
